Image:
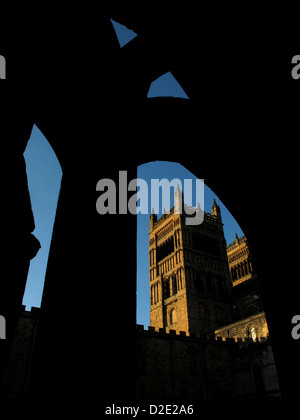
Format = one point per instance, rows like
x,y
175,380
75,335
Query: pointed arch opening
x,y
170,171
44,174
166,86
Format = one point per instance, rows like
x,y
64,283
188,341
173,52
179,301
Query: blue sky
x,y
44,178
124,34
166,84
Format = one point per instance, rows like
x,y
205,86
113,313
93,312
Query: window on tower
x,y
166,288
165,249
205,244
172,316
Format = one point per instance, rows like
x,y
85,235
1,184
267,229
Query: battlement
x,y
33,309
163,332
236,243
188,209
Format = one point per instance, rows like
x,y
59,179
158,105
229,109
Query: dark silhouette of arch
x,y
88,97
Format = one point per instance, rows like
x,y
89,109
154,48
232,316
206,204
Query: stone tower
x,y
239,260
189,276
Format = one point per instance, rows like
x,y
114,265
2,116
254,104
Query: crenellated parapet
x,y
166,332
214,367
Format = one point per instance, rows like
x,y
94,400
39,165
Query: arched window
x,y
166,288
210,283
251,332
172,316
245,268
174,284
199,286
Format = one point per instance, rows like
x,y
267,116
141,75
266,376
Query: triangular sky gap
x,y
166,85
124,34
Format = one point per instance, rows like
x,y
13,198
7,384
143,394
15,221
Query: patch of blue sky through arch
x,y
170,171
165,85
124,34
44,176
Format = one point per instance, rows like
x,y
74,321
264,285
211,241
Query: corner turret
x,y
178,201
215,211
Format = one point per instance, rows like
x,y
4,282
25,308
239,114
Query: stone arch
x,y
169,170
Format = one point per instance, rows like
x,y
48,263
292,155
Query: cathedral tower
x,y
189,276
239,260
